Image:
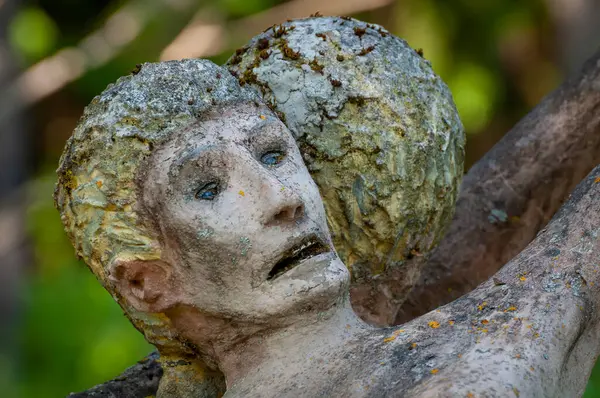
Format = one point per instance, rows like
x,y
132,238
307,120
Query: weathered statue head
x,y
378,130
190,202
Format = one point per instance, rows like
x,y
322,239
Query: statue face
x,y
242,222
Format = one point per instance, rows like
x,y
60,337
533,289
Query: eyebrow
x,y
190,155
259,126
193,154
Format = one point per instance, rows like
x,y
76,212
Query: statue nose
x,y
282,204
288,212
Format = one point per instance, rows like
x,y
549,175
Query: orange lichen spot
x,y
531,368
242,193
511,308
434,371
536,335
470,395
518,356
393,336
529,326
459,355
597,180
348,326
263,117
99,184
450,322
522,278
484,321
484,330
434,324
482,306
389,339
413,346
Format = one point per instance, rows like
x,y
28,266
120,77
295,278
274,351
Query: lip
x,y
308,267
296,254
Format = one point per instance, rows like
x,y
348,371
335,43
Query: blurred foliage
x,y
33,33
495,55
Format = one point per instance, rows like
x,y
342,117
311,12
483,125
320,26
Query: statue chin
x,y
316,284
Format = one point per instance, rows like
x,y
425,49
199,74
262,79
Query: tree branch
x,y
512,192
141,380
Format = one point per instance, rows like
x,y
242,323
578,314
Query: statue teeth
x,y
304,246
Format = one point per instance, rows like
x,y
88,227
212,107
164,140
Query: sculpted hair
x,y
97,188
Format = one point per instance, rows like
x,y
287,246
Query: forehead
x,y
238,123
231,123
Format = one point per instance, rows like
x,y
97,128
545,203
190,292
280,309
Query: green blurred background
x,y
60,332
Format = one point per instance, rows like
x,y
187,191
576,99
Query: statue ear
x,y
146,285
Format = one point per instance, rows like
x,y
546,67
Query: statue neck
x,y
291,350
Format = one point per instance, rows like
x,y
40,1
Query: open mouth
x,y
308,247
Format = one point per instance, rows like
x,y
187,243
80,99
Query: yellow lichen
x,y
434,324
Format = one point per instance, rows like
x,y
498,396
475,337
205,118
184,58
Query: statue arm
x,y
532,329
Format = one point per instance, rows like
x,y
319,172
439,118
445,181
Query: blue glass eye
x,y
208,192
272,158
